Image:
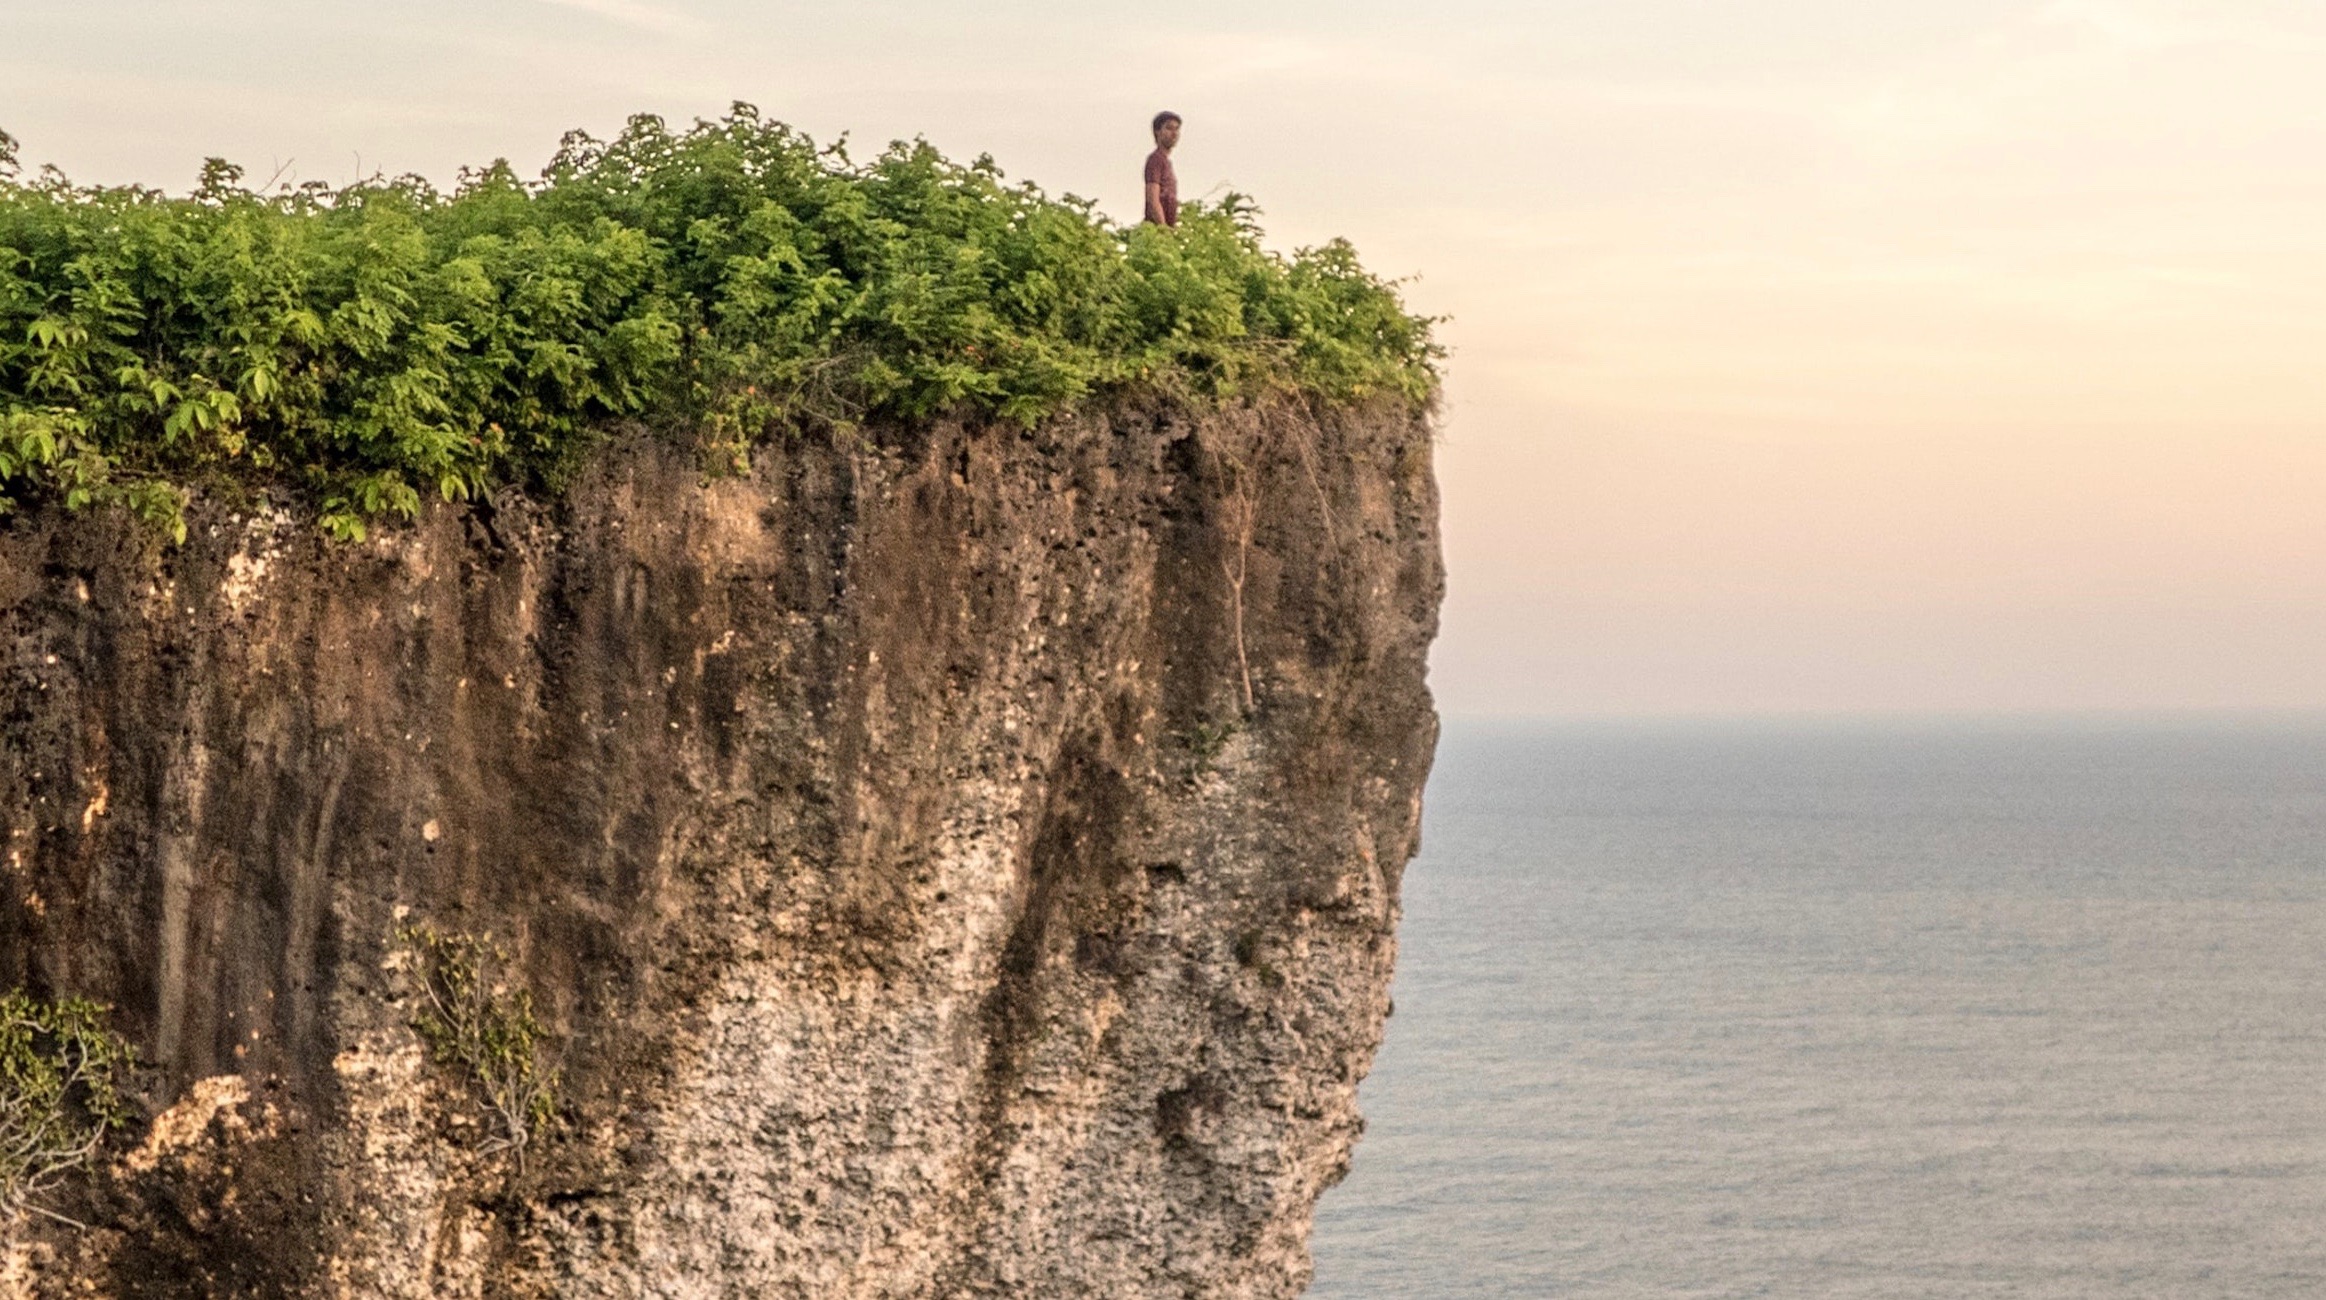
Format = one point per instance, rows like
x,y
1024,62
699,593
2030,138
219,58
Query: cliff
x,y
955,860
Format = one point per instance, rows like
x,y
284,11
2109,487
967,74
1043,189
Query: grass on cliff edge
x,y
373,344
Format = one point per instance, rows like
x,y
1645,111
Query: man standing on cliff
x,y
1162,182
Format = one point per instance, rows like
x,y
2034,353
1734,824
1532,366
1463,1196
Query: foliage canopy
x,y
380,342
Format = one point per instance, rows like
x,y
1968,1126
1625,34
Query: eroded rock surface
x,y
917,901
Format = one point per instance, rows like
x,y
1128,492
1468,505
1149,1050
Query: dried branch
x,y
1240,513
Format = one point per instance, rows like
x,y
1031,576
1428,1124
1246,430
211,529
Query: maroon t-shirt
x,y
1159,173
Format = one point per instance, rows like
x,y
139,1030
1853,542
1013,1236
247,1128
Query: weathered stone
x,y
917,905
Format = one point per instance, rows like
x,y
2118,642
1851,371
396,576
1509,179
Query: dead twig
x,y
1240,513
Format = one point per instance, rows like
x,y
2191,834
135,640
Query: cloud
x,y
2120,25
2131,26
1213,60
629,13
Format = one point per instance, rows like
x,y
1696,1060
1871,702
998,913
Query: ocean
x,y
1853,1010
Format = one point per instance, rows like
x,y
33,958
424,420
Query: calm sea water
x,y
1881,1011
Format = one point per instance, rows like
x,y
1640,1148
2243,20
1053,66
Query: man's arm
x,y
1155,202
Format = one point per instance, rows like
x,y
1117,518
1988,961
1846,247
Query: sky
x,y
1809,356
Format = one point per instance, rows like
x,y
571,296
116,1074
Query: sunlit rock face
x,y
955,861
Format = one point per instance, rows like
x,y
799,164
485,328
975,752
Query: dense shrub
x,y
384,341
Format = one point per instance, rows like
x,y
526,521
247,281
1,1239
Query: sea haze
x,y
1854,1010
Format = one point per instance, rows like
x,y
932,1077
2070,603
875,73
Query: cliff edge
x,y
959,859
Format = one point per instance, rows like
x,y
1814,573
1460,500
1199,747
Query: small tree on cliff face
x,y
477,1024
59,1096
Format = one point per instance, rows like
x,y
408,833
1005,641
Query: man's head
x,y
1166,129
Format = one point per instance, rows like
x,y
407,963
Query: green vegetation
x,y
477,1025
60,1078
1251,954
727,283
1206,739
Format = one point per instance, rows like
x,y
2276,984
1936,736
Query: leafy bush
x,y
476,1024
60,1093
384,341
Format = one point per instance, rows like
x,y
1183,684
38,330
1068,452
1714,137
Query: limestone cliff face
x,y
960,863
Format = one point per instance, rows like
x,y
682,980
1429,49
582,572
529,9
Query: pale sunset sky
x,y
1810,356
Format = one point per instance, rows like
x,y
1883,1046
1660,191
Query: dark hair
x,y
1160,118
